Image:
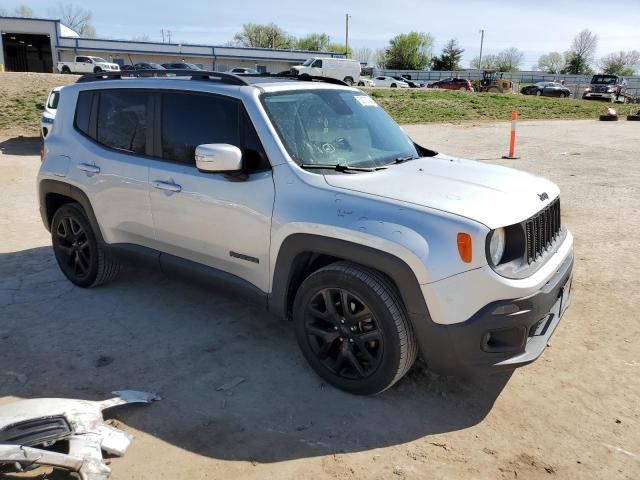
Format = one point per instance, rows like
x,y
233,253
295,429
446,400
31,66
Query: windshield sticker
x,y
366,101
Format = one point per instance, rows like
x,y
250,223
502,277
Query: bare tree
x,y
621,63
23,11
489,62
582,51
142,38
380,58
77,19
3,13
363,54
509,60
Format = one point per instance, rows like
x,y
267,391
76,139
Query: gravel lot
x,y
574,414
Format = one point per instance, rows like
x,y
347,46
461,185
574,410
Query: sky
x,y
535,27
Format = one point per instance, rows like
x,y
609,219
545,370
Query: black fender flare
x,y
48,186
298,244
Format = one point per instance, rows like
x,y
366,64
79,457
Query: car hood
x,y
490,194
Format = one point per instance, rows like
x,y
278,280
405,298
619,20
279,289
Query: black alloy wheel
x,y
343,333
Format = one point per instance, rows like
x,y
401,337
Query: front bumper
x,y
504,334
597,96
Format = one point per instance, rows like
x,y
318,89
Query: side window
x,y
122,120
189,120
317,64
254,156
83,111
83,59
53,100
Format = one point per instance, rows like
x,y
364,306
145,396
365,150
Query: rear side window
x,y
83,112
189,120
122,120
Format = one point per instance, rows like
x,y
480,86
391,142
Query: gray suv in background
x,y
305,196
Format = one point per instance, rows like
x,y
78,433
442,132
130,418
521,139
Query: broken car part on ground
x,y
41,422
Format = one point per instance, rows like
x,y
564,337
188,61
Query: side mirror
x,y
218,157
40,106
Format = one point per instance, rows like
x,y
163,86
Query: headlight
x,y
611,89
586,90
47,120
496,245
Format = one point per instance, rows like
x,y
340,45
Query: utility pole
x,y
162,33
481,44
346,35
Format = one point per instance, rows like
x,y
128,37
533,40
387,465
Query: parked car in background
x,y
244,71
49,111
607,87
546,89
87,65
453,83
386,81
339,68
148,66
180,66
366,82
411,83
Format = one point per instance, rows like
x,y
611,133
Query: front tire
x,y
97,70
352,328
81,258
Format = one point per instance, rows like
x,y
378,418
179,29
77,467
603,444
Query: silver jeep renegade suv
x,y
308,198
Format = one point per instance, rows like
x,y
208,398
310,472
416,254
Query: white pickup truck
x,y
87,65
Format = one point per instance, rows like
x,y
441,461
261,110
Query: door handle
x,y
85,167
170,187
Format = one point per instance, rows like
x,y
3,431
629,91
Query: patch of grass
x,y
423,106
19,110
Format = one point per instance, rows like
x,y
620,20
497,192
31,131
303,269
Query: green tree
x,y
552,62
450,57
621,63
263,36
581,53
409,51
314,42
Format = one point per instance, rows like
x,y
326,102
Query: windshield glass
x,y
308,62
98,60
337,127
603,80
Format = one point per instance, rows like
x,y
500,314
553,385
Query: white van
x,y
339,68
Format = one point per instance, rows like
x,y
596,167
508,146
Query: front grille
x,y
542,230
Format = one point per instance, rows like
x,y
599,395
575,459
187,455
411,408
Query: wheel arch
x,y
53,194
301,254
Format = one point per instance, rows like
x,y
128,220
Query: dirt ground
x,y
574,414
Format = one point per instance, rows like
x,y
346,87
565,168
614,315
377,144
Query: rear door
x,y
112,163
218,220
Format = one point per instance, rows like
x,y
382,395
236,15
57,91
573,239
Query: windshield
x,y
98,60
308,62
337,127
603,80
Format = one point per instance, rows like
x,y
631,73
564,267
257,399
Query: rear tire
x,y
633,118
364,348
538,93
66,70
562,95
393,85
348,81
608,118
81,258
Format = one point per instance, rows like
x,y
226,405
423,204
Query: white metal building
x,y
35,45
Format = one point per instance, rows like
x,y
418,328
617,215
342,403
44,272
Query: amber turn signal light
x,y
465,247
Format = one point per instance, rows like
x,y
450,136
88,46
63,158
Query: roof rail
x,y
194,74
224,77
304,78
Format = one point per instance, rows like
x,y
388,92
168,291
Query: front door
x,y
221,221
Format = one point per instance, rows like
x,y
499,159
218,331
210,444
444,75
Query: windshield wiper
x,y
339,167
405,159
